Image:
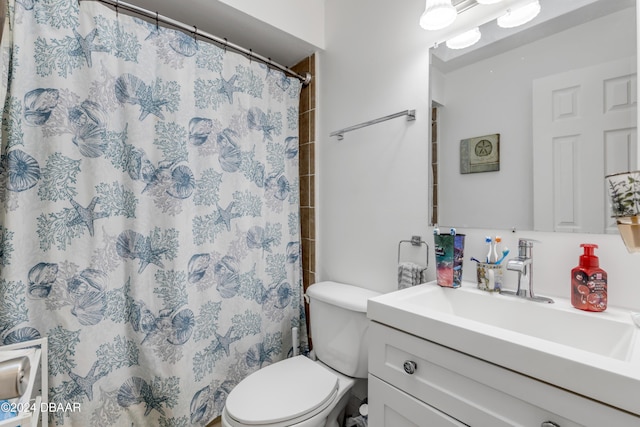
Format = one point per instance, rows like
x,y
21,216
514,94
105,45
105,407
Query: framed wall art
x,y
480,154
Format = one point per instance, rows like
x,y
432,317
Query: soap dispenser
x,y
589,282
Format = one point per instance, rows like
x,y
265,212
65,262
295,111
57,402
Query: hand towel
x,y
410,274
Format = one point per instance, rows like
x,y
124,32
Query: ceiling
x,y
221,20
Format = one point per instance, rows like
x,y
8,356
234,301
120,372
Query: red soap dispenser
x,y
589,282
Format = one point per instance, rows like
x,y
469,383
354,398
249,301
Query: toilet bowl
x,y
299,392
295,392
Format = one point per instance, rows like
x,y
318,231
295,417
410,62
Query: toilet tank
x,y
338,320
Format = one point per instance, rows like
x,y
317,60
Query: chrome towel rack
x,y
415,241
411,115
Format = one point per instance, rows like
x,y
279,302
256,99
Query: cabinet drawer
x,y
477,392
390,407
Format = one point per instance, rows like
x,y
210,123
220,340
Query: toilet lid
x,y
282,391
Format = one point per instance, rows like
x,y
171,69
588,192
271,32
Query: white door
x,y
584,127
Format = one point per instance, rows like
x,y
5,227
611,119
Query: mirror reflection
x,y
560,100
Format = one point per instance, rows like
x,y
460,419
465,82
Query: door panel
x,y
584,127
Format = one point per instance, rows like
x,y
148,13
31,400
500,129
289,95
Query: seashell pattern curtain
x,y
149,224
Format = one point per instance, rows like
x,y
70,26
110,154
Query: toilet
x,y
299,392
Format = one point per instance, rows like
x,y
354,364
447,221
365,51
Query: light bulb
x,y
465,39
519,16
438,14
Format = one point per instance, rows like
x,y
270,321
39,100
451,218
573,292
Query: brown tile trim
x,y
305,191
306,149
312,159
434,165
305,97
304,158
305,127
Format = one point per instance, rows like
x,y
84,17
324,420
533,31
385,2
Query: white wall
x,y
495,96
302,19
286,31
555,255
372,186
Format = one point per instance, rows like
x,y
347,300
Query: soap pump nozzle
x,y
588,258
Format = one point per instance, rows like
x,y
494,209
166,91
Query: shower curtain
x,y
149,224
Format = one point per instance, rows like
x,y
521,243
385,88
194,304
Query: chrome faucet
x,y
523,264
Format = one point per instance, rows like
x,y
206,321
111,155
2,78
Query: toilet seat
x,y
284,393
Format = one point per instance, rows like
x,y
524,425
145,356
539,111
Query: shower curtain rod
x,y
306,79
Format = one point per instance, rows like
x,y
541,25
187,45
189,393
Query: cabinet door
x,y
390,407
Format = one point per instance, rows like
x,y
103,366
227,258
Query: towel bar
x,y
411,115
415,241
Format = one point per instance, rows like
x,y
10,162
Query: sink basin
x,y
593,354
607,333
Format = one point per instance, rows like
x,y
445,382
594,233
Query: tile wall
x,y
307,170
434,165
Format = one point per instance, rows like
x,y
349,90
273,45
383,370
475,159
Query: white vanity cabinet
x,y
416,382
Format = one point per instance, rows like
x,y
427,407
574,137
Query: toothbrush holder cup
x,y
489,276
449,251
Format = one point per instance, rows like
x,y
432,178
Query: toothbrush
x,y
494,251
505,252
475,259
490,258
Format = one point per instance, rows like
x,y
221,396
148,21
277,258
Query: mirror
x,y
503,90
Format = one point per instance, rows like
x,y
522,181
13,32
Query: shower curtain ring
x,y
250,55
157,21
195,30
117,4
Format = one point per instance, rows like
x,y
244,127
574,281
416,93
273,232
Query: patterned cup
x,y
489,276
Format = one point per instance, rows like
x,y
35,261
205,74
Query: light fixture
x,y
438,14
487,1
519,16
465,39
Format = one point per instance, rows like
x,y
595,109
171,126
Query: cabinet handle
x,y
549,424
410,367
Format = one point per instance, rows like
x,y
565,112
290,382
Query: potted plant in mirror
x,y
624,192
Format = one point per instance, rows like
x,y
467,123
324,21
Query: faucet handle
x,y
525,241
524,247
